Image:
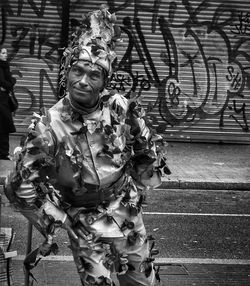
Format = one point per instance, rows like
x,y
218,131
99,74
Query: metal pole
x,y
28,250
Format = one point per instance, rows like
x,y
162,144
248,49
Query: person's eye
x,y
76,70
94,76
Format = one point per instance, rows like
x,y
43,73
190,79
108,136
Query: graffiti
x,y
113,8
174,92
234,79
33,40
19,89
143,54
203,74
30,38
243,26
44,74
238,111
125,82
189,59
39,12
121,81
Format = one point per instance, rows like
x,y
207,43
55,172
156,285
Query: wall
x,y
188,59
31,32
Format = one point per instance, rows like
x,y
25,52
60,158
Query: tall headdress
x,y
95,39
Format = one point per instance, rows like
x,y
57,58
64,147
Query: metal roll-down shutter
x,y
188,59
190,62
31,33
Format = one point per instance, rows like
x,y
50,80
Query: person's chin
x,y
84,101
81,99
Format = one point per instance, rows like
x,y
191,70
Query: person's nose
x,y
84,80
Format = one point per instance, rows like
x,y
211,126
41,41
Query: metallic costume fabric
x,y
93,170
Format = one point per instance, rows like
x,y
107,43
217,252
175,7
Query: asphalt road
x,y
186,224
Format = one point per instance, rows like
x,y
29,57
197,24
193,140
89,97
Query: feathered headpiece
x,y
95,39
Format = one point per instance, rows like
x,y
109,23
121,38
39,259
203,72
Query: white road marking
x,y
202,190
196,214
158,261
49,258
202,261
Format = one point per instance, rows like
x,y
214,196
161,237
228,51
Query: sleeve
x,y
148,163
6,81
28,186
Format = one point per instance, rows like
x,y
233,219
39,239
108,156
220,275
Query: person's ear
x,y
105,80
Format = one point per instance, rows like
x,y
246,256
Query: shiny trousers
x,y
112,241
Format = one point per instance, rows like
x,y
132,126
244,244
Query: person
x,y
7,82
87,164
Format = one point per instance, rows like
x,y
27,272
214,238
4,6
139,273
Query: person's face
x,y
85,81
3,54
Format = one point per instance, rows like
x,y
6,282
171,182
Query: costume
x,y
88,171
6,121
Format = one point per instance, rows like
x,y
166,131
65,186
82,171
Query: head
x,y
85,82
90,58
3,54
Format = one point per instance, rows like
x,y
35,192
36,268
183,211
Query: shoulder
x,y
60,114
48,125
57,108
48,118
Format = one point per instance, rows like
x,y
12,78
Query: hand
x,y
46,248
153,181
149,177
79,230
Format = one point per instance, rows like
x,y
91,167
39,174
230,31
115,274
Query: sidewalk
x,y
193,166
63,273
208,166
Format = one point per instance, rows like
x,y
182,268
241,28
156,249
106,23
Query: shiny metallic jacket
x,y
67,154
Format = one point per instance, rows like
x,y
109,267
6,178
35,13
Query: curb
x,y
208,185
167,183
205,185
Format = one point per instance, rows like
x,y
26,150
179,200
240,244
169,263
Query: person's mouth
x,y
81,91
